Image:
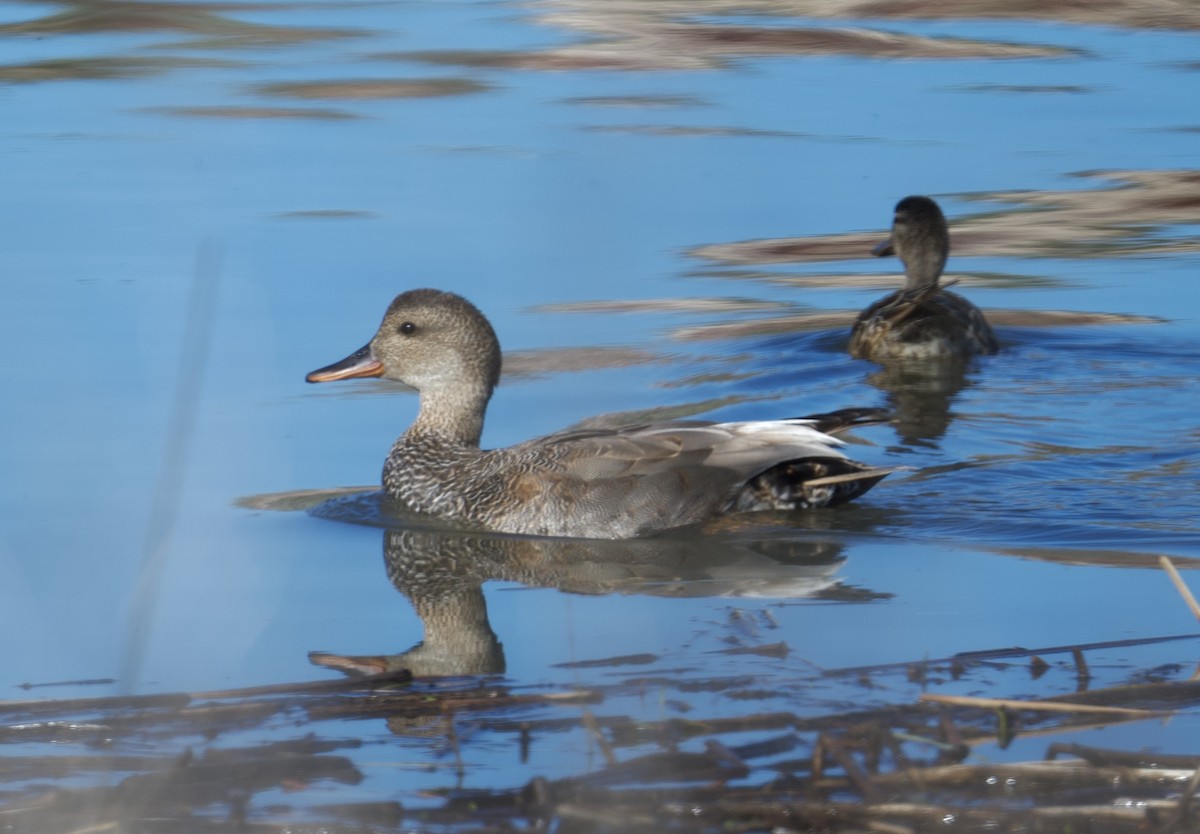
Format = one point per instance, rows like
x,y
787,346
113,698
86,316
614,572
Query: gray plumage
x,y
595,483
923,320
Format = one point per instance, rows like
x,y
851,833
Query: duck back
x,y
925,325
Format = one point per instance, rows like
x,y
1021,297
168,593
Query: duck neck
x,y
923,271
451,416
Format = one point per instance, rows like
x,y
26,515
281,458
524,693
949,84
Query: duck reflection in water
x,y
443,572
921,396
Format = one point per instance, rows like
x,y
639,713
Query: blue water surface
x,y
1074,441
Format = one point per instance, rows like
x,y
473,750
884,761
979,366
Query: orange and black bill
x,y
360,363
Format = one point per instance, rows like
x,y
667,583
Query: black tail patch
x,y
832,422
808,482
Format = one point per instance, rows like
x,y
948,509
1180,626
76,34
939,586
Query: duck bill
x,y
883,249
360,363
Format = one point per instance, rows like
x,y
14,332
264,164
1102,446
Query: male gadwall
x,y
923,320
593,483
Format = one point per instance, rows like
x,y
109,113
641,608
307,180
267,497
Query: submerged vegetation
x,y
324,755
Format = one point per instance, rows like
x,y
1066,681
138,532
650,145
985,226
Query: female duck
x,y
923,320
597,483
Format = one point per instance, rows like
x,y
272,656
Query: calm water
x,y
583,199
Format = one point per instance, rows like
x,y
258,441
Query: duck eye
x,y
408,328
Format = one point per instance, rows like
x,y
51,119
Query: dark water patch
x,y
102,67
647,100
327,214
610,662
366,89
667,130
691,304
237,113
264,37
694,130
564,59
499,151
871,280
1030,89
196,18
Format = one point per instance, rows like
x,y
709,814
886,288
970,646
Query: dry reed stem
x,y
1185,799
1180,585
597,734
854,476
1036,706
96,828
888,828
1055,729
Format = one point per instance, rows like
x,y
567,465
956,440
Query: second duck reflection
x,y
442,573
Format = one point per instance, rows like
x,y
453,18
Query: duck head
x,y
441,345
921,239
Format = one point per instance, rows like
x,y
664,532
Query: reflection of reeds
x,y
1156,14
88,16
102,66
233,112
1125,217
651,37
809,322
194,349
896,767
373,88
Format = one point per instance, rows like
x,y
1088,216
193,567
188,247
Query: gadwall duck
x,y
601,483
923,320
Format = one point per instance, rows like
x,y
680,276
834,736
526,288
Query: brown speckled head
x,y
440,344
432,339
921,239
